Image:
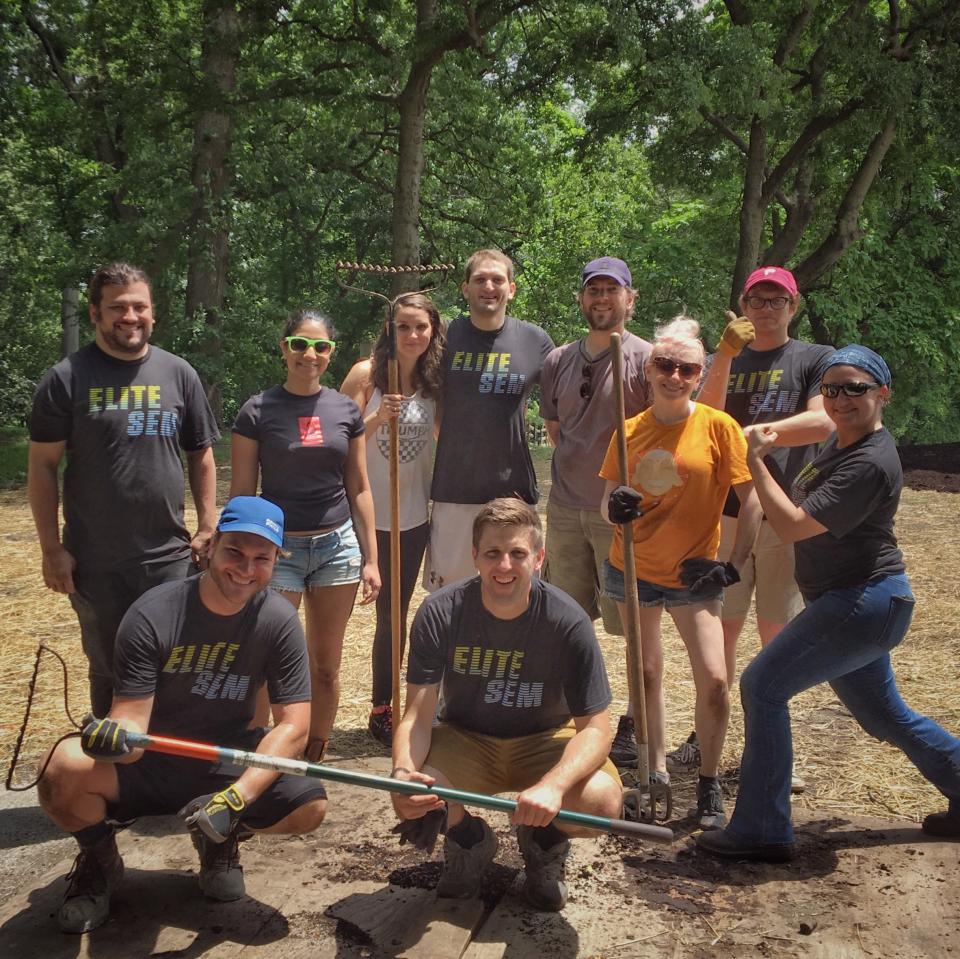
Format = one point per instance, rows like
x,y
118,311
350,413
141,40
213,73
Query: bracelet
x,y
398,769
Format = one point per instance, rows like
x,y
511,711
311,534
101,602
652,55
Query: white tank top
x,y
416,461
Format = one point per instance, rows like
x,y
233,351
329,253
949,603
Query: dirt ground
x,y
866,882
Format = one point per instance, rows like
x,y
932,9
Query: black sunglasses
x,y
833,390
687,370
586,385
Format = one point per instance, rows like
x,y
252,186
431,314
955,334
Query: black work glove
x,y
422,833
623,506
699,574
105,740
215,814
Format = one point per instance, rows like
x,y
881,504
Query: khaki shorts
x,y
769,571
489,764
450,550
578,542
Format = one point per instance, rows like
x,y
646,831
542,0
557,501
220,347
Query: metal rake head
x,y
388,269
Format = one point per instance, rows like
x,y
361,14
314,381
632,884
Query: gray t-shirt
x,y
482,451
124,423
203,670
772,385
508,677
587,423
854,492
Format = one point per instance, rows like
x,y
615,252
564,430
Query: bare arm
x,y
810,426
132,713
608,488
748,523
202,473
789,522
361,506
244,466
286,738
359,387
43,491
714,390
583,755
411,743
553,431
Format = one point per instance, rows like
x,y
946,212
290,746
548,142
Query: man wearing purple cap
x,y
189,658
576,401
770,384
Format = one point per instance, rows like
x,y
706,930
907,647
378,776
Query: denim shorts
x,y
653,595
328,559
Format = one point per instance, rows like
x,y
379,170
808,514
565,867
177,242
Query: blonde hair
x,y
681,336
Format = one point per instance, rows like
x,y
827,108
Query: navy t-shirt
x,y
508,677
854,492
303,445
202,669
771,385
124,423
482,452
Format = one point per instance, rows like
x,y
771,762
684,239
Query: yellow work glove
x,y
738,333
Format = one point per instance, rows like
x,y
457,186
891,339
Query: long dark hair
x,y
427,373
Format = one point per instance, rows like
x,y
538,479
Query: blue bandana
x,y
864,359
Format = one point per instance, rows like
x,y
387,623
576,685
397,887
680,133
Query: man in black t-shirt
x,y
190,657
771,384
120,411
525,699
491,363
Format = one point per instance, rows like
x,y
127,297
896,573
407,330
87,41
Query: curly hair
x,y
428,372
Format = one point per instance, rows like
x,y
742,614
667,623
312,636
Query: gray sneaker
x,y
544,887
96,872
464,868
221,875
686,757
710,812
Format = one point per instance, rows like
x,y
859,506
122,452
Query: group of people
x,y
507,689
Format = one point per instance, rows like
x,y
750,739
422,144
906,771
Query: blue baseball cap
x,y
253,514
608,266
864,359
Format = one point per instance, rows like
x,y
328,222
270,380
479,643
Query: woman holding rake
x,y
682,460
858,607
420,343
306,443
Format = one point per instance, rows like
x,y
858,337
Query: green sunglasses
x,y
300,344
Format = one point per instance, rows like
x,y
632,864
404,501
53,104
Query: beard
x,y
601,322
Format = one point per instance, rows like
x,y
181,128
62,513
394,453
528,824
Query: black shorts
x,y
161,785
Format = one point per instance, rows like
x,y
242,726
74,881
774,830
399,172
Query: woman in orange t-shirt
x,y
682,460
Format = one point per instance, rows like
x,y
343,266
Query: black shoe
x,y
96,872
221,875
380,724
544,886
945,825
721,843
623,750
710,812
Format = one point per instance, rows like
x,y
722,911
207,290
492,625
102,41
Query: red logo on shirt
x,y
311,432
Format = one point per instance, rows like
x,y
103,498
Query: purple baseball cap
x,y
607,266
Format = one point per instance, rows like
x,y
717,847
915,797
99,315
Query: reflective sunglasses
x,y
687,370
586,385
300,344
774,302
833,390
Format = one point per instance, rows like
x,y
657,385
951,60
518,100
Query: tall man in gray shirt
x,y
576,401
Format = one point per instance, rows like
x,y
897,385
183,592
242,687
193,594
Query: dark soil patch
x,y
935,467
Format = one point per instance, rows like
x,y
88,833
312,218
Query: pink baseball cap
x,y
772,274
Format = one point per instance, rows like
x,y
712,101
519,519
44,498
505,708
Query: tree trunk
x,y
752,211
70,320
209,244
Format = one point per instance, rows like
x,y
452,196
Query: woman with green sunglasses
x,y
306,444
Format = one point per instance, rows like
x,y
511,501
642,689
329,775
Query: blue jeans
x,y
843,638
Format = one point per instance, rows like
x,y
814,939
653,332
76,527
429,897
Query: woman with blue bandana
x,y
858,608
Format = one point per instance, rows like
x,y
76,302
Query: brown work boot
x,y
96,872
544,886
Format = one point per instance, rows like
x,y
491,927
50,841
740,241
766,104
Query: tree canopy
x,y
236,150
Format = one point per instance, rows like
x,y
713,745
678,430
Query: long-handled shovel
x,y
646,800
300,767
393,385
